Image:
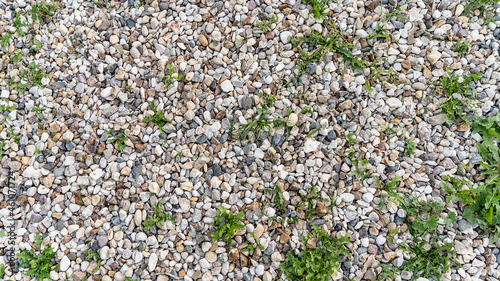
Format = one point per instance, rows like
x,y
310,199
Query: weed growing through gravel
x,y
19,25
318,263
2,270
461,47
93,255
388,272
158,118
459,94
359,171
170,77
40,264
379,73
129,89
29,76
101,4
409,147
15,56
157,217
278,198
318,7
309,200
269,99
483,6
226,223
250,248
389,193
324,44
482,204
39,112
254,129
5,39
5,110
429,259
422,215
380,32
43,9
119,140
264,25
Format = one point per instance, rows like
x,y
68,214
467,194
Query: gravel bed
x,y
106,64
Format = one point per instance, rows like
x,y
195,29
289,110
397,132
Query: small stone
x,y
419,86
321,209
394,102
311,68
259,230
163,6
203,40
311,145
284,36
234,254
406,64
185,204
211,257
433,57
267,276
78,275
227,86
346,104
187,186
79,88
361,33
311,243
293,119
114,39
135,53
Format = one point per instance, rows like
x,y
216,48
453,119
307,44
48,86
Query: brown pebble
x,y
203,40
406,64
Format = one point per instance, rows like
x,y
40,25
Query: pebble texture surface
x,y
105,66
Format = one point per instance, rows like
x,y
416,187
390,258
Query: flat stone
x,y
311,145
394,102
437,119
64,264
152,261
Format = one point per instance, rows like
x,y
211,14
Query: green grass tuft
x,y
157,217
318,263
226,223
39,262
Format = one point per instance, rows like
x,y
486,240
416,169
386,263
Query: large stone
x,y
463,249
284,36
65,263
